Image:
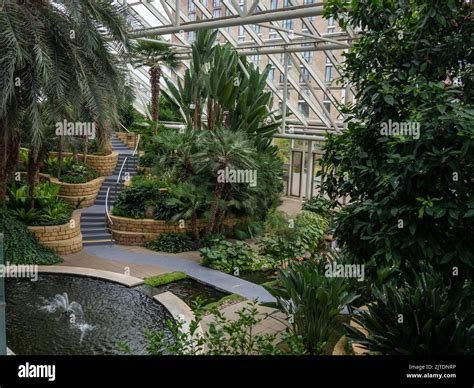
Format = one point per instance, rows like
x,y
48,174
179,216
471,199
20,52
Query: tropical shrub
x,y
227,257
410,194
319,205
245,229
224,336
172,243
78,173
312,302
20,245
147,160
134,200
417,318
290,238
42,209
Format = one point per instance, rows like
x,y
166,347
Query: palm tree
x,y
154,54
224,149
190,199
55,56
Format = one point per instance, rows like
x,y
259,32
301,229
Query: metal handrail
x,y
121,169
123,126
136,146
107,213
114,187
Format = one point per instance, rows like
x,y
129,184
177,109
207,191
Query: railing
x,y
117,183
126,129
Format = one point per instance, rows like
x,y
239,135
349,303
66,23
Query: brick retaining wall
x,y
129,231
63,239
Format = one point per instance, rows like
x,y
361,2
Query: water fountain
x,y
72,315
72,310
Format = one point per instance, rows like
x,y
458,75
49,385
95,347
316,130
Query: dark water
x,y
112,314
258,277
188,290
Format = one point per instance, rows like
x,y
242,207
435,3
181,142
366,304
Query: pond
x,y
71,315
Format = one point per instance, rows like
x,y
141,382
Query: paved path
x,y
212,277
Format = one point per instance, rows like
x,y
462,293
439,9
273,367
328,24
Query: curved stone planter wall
x,y
79,194
76,194
103,164
63,239
129,138
129,231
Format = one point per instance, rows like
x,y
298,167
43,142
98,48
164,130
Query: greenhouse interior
x,y
237,177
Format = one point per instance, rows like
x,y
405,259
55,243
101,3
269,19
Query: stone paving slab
x,y
85,260
125,280
217,279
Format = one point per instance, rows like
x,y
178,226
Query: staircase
x,y
93,219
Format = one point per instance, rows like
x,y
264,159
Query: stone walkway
x,y
150,259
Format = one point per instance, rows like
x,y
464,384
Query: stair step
x,y
98,229
97,242
95,236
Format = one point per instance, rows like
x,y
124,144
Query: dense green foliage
x,y
319,205
134,200
171,243
42,208
312,301
416,318
21,246
290,238
224,337
411,209
235,257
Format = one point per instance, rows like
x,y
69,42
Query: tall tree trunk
x,y
3,161
219,189
105,141
86,149
33,172
223,211
60,157
155,75
210,118
195,228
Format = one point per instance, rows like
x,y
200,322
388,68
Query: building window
x,y
327,103
191,36
274,4
286,3
288,24
271,74
216,13
308,2
304,75
256,28
217,3
272,34
303,108
331,25
241,36
308,56
204,3
328,74
255,59
282,60
191,6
